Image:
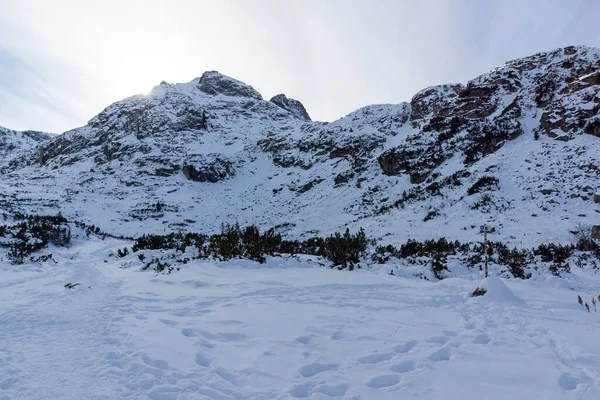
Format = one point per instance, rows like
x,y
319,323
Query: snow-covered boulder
x,y
496,291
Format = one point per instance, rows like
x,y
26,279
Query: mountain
x,y
517,147
13,143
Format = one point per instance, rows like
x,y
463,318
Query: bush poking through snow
x,y
587,306
71,285
516,261
34,233
343,250
122,253
478,292
178,241
520,263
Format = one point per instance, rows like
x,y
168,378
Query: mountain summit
x,y
214,83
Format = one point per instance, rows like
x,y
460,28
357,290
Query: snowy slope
x,y
288,330
213,151
13,143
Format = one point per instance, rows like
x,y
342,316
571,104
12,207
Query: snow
x,y
496,291
287,329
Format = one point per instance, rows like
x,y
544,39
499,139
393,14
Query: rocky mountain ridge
x,y
12,142
518,144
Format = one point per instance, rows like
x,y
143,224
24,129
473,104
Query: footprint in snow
x,y
232,336
406,347
189,332
442,354
383,381
567,382
438,339
375,358
301,391
484,338
202,360
111,340
8,383
333,390
116,359
230,377
403,367
229,322
304,339
160,364
313,369
165,393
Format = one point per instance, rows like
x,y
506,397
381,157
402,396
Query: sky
x,y
62,62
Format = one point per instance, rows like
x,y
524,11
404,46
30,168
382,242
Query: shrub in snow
x,y
34,233
433,253
227,244
122,253
343,250
557,255
347,249
516,260
249,243
586,305
178,241
439,264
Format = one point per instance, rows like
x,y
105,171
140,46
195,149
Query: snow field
x,y
228,331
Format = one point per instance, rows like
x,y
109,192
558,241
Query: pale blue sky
x,y
63,61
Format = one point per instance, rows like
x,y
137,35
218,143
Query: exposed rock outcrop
x,y
214,83
212,168
292,105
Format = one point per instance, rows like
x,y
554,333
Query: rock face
x,y
211,169
596,232
593,127
293,106
13,143
214,83
432,100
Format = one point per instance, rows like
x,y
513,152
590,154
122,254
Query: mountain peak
x,y
215,83
294,106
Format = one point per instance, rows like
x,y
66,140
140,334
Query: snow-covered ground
x,y
288,329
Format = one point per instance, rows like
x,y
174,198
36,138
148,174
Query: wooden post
x,y
485,249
